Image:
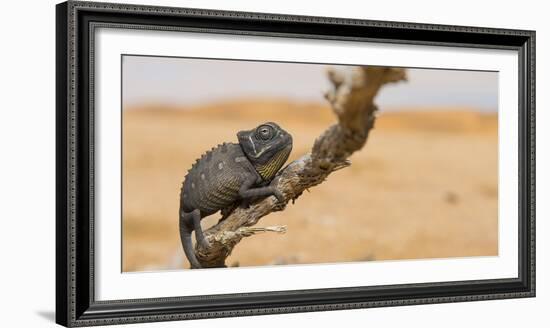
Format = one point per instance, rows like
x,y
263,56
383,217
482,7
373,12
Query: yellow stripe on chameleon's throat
x,y
271,168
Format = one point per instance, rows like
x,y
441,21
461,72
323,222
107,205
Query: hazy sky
x,y
186,82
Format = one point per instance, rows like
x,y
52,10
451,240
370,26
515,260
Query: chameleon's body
x,y
228,173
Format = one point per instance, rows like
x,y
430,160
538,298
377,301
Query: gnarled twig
x,y
351,98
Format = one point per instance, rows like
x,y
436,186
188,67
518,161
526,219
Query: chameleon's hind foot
x,y
199,234
204,243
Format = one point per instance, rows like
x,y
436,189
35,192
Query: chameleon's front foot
x,y
278,195
281,202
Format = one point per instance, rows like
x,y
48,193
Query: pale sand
x,y
424,186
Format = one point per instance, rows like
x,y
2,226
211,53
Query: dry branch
x,y
351,99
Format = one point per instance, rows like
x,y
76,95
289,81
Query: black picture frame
x,y
75,302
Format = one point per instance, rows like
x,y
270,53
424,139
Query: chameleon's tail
x,y
187,243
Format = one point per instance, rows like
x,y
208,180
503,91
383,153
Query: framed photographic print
x,y
215,163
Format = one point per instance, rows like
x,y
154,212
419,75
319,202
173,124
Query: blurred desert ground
x,y
424,186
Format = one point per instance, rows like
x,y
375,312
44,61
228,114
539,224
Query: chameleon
x,y
227,174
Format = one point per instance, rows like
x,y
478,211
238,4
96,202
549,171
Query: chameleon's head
x,y
267,147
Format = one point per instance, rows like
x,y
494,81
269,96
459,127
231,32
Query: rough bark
x,y
351,98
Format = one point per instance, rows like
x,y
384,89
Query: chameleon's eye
x,y
265,132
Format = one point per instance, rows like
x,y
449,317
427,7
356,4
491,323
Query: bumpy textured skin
x,y
227,174
213,182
